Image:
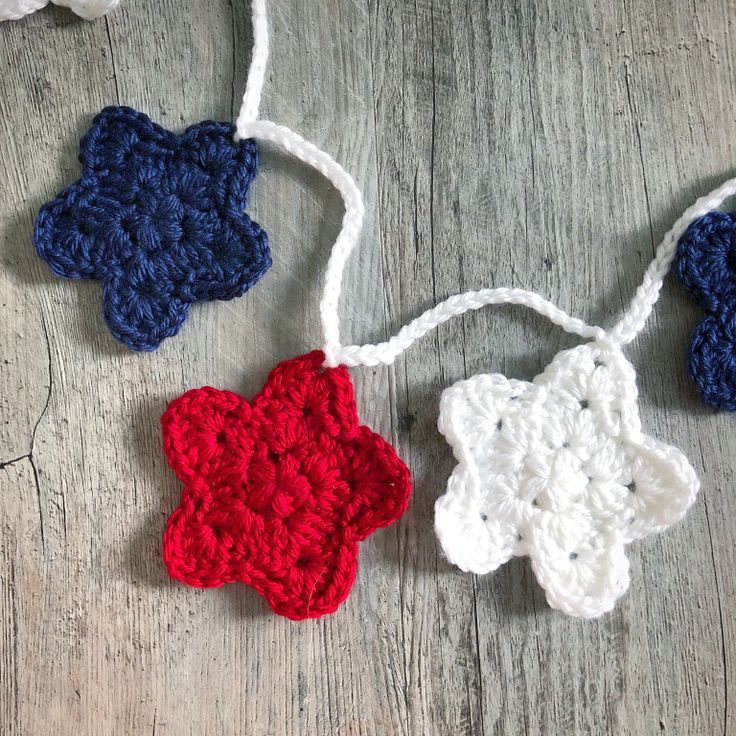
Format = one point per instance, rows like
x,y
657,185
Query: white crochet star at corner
x,y
87,9
558,470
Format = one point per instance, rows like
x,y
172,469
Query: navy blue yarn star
x,y
159,219
706,265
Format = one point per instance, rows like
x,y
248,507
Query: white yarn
x,y
647,294
352,221
387,352
625,331
558,470
257,71
87,9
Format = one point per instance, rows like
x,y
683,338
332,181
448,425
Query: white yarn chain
x,y
454,306
387,352
632,322
647,294
257,70
248,126
352,221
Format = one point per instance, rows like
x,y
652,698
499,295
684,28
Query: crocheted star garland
x,y
558,470
706,265
278,492
87,9
159,219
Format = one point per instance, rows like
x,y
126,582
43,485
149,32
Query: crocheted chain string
x,y
248,126
352,223
454,306
257,71
647,294
386,352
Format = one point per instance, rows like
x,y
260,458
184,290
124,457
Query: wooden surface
x,y
546,145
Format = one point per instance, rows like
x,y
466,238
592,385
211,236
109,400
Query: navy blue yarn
x,y
706,265
159,219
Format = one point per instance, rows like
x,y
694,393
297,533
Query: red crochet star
x,y
279,492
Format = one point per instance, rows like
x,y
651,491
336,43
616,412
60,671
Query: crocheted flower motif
x,y
706,265
278,492
558,470
87,9
159,219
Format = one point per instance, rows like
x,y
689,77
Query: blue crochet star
x,y
706,265
159,219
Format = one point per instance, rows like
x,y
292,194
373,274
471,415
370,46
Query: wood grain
x,y
546,145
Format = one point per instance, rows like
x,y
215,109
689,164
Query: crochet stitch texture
x,y
278,492
558,470
706,265
159,219
87,9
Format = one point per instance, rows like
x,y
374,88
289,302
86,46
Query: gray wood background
x,y
543,144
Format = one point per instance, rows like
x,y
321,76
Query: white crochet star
x,y
87,9
558,470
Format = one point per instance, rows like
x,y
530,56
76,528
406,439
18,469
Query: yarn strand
x,y
627,328
257,71
454,306
352,221
647,294
249,126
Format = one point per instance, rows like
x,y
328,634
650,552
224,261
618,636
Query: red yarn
x,y
279,492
